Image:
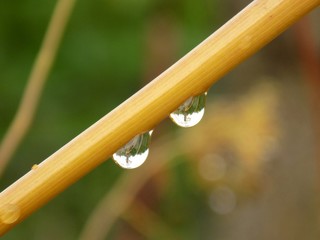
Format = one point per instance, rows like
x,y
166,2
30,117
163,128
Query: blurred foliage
x,y
100,63
103,59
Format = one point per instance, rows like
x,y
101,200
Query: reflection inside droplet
x,y
134,153
222,200
9,213
190,112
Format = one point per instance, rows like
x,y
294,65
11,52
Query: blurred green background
x,y
256,176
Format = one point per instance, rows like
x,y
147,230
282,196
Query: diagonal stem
x,y
246,33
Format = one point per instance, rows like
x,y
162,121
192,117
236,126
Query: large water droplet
x,y
190,112
9,213
134,153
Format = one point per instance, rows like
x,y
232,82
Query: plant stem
x,y
242,36
39,73
124,192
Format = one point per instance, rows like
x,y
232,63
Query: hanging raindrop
x,y
190,112
135,152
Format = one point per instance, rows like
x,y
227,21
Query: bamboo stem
x,y
243,35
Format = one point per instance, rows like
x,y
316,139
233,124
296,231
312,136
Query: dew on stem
x,y
135,152
190,112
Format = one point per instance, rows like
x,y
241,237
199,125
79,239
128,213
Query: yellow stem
x,y
238,39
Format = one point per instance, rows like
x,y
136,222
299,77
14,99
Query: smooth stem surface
x,y
238,39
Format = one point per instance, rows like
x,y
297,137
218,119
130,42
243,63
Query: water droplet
x,y
34,166
190,112
9,213
134,153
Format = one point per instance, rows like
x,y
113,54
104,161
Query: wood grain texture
x,y
243,35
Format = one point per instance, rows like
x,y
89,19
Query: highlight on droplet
x,y
190,112
9,213
34,166
134,153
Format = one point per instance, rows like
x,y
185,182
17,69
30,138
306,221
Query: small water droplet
x,y
190,112
9,213
135,152
34,166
